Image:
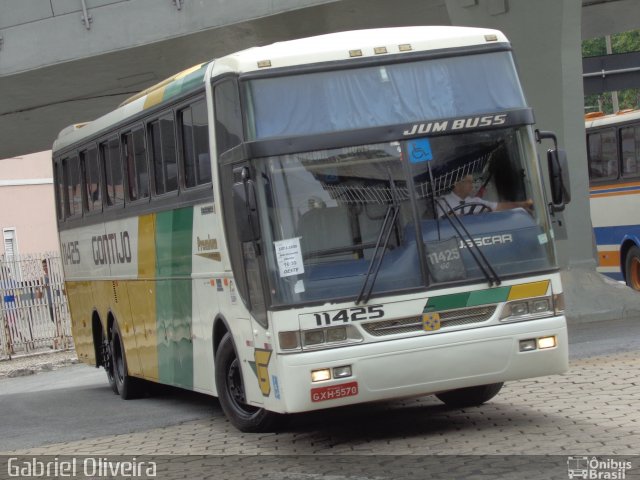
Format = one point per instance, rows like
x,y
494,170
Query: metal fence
x,y
34,314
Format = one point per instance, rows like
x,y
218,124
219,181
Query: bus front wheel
x,y
469,397
231,392
632,268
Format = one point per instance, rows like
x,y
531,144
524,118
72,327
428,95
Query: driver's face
x,y
464,187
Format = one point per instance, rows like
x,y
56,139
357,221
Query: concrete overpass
x,y
61,63
66,61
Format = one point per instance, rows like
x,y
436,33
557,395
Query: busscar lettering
x,y
487,241
456,124
111,248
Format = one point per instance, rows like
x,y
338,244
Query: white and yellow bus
x,y
273,227
613,152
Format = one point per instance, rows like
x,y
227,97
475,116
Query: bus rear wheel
x,y
107,362
231,393
632,268
126,385
469,397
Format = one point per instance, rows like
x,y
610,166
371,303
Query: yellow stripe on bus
x,y
528,290
147,246
143,298
154,98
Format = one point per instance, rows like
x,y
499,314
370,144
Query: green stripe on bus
x,y
492,295
181,85
467,299
447,302
174,297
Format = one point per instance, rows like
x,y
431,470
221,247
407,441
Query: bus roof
x,y
597,119
311,50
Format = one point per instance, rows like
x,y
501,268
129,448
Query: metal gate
x,y
34,314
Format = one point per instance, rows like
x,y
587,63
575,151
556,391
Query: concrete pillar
x,y
546,38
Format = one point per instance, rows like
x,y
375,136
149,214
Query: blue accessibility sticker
x,y
419,150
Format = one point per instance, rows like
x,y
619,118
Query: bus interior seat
x,y
323,229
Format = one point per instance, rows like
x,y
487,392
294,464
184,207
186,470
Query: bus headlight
x,y
527,309
321,375
313,337
295,340
336,334
539,306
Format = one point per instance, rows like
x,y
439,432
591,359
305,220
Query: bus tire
x,y
632,268
126,385
469,397
107,362
231,393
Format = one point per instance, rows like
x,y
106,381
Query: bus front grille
x,y
449,318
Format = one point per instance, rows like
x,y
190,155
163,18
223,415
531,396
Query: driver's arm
x,y
528,204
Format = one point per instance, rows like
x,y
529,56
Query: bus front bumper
x,y
421,365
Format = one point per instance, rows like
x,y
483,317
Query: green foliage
x,y
620,43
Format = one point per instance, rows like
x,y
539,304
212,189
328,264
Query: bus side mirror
x,y
558,172
559,178
245,208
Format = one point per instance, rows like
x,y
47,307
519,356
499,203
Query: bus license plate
x,y
333,392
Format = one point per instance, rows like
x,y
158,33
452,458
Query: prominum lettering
x,y
487,241
206,244
111,248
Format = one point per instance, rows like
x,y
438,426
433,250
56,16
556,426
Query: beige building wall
x,y
27,203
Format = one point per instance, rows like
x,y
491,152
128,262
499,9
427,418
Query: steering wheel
x,y
472,208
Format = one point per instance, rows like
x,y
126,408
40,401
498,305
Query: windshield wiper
x,y
475,251
376,261
381,246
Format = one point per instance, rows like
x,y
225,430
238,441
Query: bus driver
x,y
460,201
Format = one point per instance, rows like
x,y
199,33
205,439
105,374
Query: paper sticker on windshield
x,y
444,260
289,256
419,150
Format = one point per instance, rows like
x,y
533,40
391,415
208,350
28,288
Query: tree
x,y
620,43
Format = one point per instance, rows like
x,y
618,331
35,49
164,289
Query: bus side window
x,y
163,154
228,123
630,151
133,147
59,189
195,144
91,179
110,151
603,155
73,195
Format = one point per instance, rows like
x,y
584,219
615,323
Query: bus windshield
x,y
458,194
373,96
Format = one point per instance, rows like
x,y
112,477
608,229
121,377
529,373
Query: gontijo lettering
x,y
111,248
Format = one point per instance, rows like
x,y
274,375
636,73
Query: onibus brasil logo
x,y
597,468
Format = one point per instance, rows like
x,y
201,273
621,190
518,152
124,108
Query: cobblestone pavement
x,y
32,364
590,410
